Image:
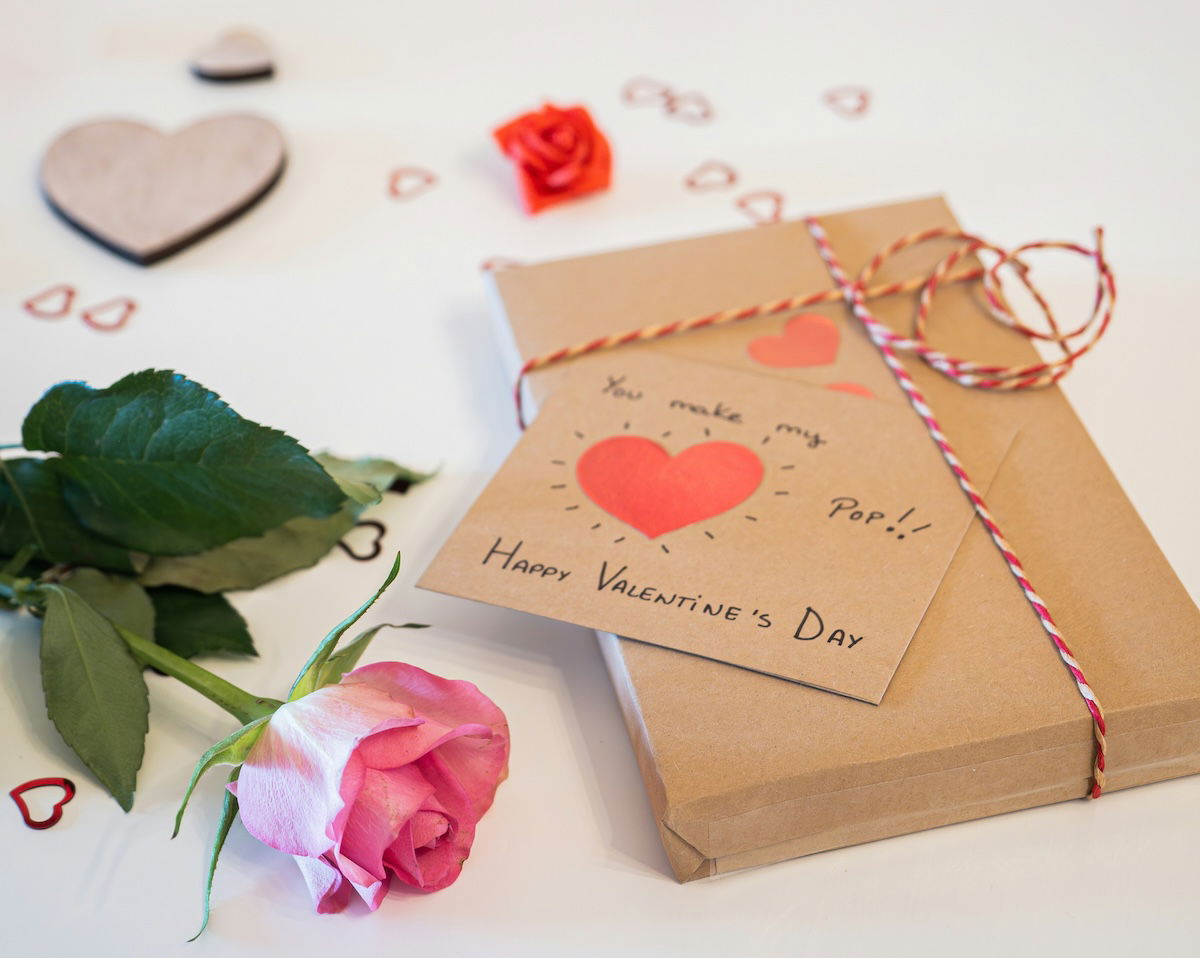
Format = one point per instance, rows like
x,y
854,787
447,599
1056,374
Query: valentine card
x,y
772,525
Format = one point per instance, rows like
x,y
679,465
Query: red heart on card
x,y
762,206
637,481
851,101
409,181
711,175
65,784
809,339
854,389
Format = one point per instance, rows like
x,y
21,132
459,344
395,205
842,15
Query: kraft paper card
x,y
773,525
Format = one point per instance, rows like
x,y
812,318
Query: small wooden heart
x,y
146,194
238,55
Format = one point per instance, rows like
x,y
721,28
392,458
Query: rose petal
x,y
386,801
289,789
329,891
450,701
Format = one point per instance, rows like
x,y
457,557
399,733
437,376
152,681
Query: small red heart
x,y
855,389
762,206
408,182
642,91
689,107
499,263
637,481
65,784
110,315
849,101
53,303
711,175
809,339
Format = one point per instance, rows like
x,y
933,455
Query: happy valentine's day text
x,y
811,627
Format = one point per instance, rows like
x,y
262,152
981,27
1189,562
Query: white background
x,y
360,323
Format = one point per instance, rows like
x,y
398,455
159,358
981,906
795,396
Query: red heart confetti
x,y
809,339
498,264
762,206
408,182
642,91
110,315
711,175
855,389
637,481
689,107
848,101
65,784
53,303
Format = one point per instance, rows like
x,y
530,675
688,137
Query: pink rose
x,y
383,774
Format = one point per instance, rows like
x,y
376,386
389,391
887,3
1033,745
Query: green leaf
x,y
229,809
119,599
191,623
231,750
298,544
159,464
345,659
310,676
32,511
95,694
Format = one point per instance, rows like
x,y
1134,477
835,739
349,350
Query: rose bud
x,y
383,774
558,155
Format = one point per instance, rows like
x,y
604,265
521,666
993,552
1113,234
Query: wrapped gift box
x,y
981,718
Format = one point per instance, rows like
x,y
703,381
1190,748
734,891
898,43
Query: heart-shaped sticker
x,y
408,182
238,55
637,481
146,194
711,175
808,339
17,795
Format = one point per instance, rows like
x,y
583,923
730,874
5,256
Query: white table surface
x,y
360,323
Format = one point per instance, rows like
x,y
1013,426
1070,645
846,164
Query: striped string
x,y
966,372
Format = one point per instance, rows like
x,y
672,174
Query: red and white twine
x,y
974,375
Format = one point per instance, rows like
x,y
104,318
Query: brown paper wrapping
x,y
981,718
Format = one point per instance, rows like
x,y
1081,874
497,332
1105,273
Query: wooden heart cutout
x,y
238,55
808,339
636,480
17,795
146,194
711,175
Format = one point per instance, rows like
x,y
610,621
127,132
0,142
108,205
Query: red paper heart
x,y
711,175
637,481
855,389
409,181
53,303
762,206
849,101
65,784
809,339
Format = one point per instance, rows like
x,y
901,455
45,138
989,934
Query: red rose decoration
x,y
559,154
